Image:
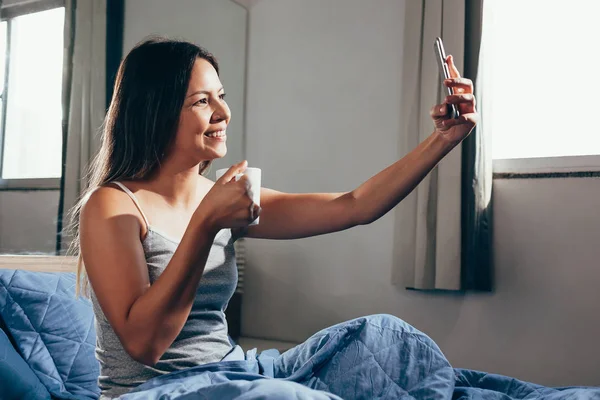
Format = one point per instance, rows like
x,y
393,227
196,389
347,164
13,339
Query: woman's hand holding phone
x,y
455,118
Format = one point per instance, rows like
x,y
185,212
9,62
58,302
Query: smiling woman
x,y
160,231
157,238
205,114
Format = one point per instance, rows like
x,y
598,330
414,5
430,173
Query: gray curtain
x,y
438,228
84,96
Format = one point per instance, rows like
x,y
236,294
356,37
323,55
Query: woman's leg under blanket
x,y
372,357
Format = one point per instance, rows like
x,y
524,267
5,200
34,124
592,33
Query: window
x,y
539,79
31,65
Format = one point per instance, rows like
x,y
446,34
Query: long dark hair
x,y
141,121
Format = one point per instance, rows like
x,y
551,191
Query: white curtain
x,y
428,222
87,100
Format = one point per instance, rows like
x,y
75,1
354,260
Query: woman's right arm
x,y
147,318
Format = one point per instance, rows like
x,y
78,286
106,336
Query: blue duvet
x,y
475,385
376,357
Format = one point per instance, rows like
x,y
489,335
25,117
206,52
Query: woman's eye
x,y
205,100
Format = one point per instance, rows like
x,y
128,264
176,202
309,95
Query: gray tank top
x,y
204,337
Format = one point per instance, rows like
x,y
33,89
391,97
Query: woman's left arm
x,y
290,216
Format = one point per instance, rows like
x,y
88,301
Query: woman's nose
x,y
221,113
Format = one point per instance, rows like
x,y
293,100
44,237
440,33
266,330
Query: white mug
x,y
254,180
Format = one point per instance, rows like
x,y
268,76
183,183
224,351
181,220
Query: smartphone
x,y
445,71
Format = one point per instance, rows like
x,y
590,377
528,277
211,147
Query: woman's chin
x,y
215,154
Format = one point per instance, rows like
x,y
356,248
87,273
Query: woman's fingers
x,y
233,171
453,70
470,118
460,85
252,209
255,210
439,111
465,101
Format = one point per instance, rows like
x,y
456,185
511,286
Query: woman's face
x,y
204,116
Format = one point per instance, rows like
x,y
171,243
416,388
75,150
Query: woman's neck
x,y
179,186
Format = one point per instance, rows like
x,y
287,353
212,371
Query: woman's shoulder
x,y
107,201
108,195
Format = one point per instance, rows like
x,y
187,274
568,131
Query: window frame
x,y
551,167
8,12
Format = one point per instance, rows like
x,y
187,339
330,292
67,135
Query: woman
x,y
156,237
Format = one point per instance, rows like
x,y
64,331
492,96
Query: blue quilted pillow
x,y
18,380
54,331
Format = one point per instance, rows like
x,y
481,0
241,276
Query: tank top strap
x,y
135,201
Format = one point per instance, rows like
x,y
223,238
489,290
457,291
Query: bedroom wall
x,y
323,93
28,221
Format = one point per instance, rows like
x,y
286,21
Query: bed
x,y
47,342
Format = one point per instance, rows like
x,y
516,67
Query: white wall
x,y
217,25
322,115
28,221
323,95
